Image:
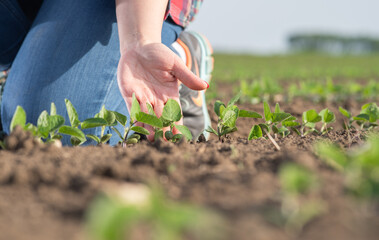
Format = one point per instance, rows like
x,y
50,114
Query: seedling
x,y
114,216
327,117
228,115
368,117
308,125
350,120
360,166
77,136
297,182
275,122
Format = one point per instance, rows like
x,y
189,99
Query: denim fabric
x,y
70,51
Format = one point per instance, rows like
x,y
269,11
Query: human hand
x,y
152,71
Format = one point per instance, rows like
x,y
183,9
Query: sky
x,y
263,26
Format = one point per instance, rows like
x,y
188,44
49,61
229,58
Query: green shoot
x,y
308,125
228,115
327,117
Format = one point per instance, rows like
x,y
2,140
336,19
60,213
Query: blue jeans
x,y
70,50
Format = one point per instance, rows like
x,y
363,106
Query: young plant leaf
x,y
372,110
75,132
277,108
108,116
290,124
362,117
31,128
150,109
19,118
230,116
249,114
177,137
93,123
327,116
53,109
131,141
211,130
217,107
55,122
94,137
121,118
172,111
278,117
267,112
158,134
135,109
75,141
255,132
118,133
311,116
344,112
43,124
72,114
234,99
228,130
105,138
149,119
140,130
185,131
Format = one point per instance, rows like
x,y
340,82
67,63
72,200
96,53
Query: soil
x,y
45,190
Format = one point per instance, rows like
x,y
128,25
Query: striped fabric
x,y
183,11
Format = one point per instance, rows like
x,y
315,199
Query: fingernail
x,y
207,84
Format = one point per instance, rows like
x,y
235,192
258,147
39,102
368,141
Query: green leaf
x,y
172,111
168,135
105,138
296,131
19,118
279,117
43,124
177,137
135,135
150,109
211,130
185,131
229,116
249,114
71,131
290,124
327,116
362,117
228,130
108,116
121,118
344,112
217,106
31,128
55,122
264,127
75,141
93,137
135,109
267,112
234,99
141,130
53,109
311,116
255,132
72,114
275,129
158,134
372,110
131,141
93,122
277,108
149,119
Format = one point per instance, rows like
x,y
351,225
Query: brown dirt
x,y
45,190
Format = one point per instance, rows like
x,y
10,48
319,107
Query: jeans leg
x,y
13,28
71,51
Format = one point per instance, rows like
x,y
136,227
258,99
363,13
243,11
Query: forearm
x,y
139,21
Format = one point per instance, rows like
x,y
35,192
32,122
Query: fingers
x,y
188,78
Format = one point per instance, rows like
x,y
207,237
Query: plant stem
x,y
272,140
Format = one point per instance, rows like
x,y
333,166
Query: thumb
x,y
188,78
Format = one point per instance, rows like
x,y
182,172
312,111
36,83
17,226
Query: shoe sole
x,y
206,68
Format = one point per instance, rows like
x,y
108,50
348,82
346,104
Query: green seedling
x,y
115,215
359,166
77,135
350,120
48,125
228,115
327,117
297,183
308,125
276,122
170,115
368,117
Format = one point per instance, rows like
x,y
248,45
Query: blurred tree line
x,y
332,44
